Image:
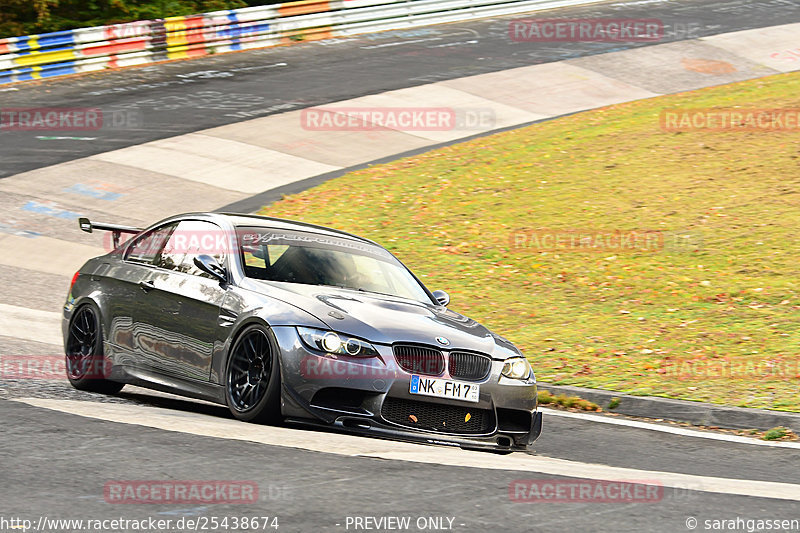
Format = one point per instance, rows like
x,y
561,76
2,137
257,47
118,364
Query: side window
x,y
275,251
145,249
190,239
258,258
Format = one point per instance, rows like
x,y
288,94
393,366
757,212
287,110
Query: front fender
x,y
242,308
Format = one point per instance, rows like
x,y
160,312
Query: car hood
x,y
386,319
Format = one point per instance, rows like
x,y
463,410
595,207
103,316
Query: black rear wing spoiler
x,y
117,230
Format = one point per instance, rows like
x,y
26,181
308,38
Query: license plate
x,y
444,388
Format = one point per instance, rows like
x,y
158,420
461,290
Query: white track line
x,y
348,445
667,429
30,324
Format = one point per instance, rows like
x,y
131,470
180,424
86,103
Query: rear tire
x,y
253,377
86,367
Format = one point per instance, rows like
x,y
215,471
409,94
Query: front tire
x,y
253,377
86,366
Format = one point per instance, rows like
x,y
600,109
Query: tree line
x,y
26,17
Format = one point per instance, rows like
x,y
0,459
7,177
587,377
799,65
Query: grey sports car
x,y
288,321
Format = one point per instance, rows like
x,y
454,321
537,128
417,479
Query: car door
x,y
124,292
180,316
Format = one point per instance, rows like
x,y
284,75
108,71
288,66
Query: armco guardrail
x,y
136,43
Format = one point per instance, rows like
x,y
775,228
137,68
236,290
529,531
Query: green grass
x,y
776,433
570,402
617,321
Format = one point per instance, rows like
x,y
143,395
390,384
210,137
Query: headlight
x,y
517,368
332,342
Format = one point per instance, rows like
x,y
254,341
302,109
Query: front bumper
x,y
371,396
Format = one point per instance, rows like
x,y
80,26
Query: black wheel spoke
x,y
249,369
85,364
251,348
260,347
81,342
246,395
259,389
77,331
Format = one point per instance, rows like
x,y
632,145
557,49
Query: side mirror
x,y
442,297
209,265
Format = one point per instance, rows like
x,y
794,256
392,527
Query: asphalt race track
x,y
63,462
186,96
60,448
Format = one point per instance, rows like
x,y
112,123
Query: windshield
x,y
312,259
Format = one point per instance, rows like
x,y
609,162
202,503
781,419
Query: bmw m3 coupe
x,y
288,321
